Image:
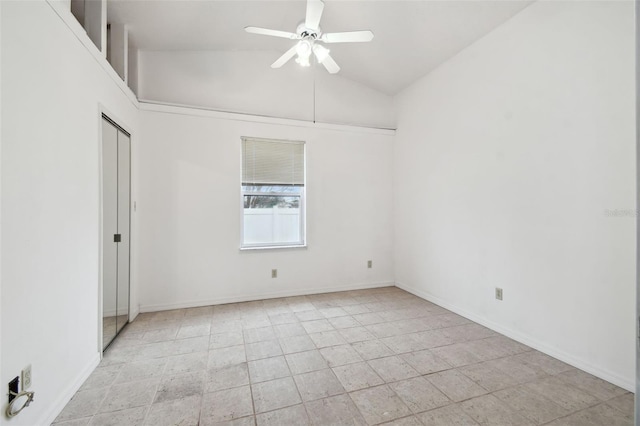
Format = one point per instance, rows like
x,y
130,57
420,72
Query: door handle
x,y
117,238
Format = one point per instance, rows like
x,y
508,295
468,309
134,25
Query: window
x,y
272,193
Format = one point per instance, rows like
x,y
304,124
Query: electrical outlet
x,y
274,273
26,377
369,264
498,293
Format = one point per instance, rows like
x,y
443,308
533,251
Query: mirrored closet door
x,y
116,177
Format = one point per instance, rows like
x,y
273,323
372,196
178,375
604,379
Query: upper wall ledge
x,y
146,105
61,8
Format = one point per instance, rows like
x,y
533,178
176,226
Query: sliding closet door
x,y
109,229
124,185
116,177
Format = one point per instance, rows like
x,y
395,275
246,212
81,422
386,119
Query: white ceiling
x,y
411,37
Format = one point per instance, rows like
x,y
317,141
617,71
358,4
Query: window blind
x,y
271,162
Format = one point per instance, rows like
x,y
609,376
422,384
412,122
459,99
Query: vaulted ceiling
x,y
411,37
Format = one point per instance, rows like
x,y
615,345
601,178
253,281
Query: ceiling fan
x,y
309,36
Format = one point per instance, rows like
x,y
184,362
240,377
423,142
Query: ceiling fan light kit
x,y
309,37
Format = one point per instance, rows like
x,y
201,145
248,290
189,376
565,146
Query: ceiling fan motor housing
x,y
308,33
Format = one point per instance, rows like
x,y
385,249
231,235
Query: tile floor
x,y
349,358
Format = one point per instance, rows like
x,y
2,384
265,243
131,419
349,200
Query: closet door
x,y
109,229
124,197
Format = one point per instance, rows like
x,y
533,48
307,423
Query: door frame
x,y
637,105
119,123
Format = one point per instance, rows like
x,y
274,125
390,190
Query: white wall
x,y
506,158
189,210
51,90
243,81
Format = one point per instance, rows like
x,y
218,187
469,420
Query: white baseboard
x,y
252,297
525,339
66,395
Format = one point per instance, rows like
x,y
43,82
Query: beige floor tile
x,y
403,344
83,404
356,309
327,338
130,395
563,394
231,376
226,339
392,369
599,415
591,384
259,334
129,417
223,357
180,386
340,355
543,362
372,349
190,345
77,422
488,377
317,326
455,385
356,334
268,369
379,404
226,405
344,322
183,412
357,376
425,362
296,415
433,339
260,350
449,415
141,370
405,421
305,362
489,410
275,394
161,334
624,403
295,344
335,411
333,312
289,330
516,369
102,377
419,395
318,384
187,331
531,405
174,354
186,363
283,318
368,318
309,315
457,355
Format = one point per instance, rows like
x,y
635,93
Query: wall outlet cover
x,y
274,273
498,293
26,377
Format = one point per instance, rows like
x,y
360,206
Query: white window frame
x,y
303,204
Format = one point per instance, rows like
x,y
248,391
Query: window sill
x,y
294,246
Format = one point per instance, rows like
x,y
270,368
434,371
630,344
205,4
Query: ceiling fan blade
x,y
274,33
284,58
314,13
348,37
330,64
